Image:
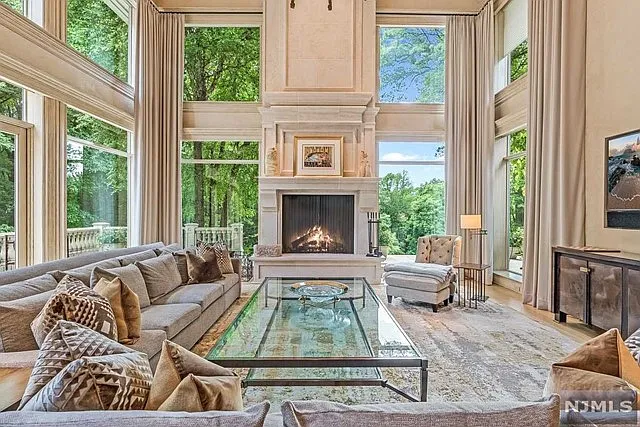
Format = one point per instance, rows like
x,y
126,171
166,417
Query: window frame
x,y
404,21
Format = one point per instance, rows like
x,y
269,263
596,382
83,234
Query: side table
x,y
472,275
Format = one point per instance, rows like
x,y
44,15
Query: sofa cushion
x,y
139,256
250,417
170,318
126,308
480,414
15,322
160,274
130,276
187,382
202,266
74,301
228,281
415,282
202,294
29,287
84,273
150,342
181,261
67,342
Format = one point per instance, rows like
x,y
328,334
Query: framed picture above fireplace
x,y
318,155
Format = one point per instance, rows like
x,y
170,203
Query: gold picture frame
x,y
318,155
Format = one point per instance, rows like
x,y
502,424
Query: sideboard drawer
x,y
606,296
573,287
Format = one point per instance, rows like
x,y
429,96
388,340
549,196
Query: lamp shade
x,y
471,222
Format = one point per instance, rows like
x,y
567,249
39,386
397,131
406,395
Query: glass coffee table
x,y
293,333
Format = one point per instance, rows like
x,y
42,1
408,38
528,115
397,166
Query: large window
x,y
98,32
11,100
97,164
222,64
220,191
516,171
412,62
412,193
512,46
17,5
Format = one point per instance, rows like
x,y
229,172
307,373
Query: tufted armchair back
x,y
444,250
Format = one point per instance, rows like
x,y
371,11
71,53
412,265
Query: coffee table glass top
x,y
276,323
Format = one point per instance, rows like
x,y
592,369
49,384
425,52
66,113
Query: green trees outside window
x,y
96,31
517,166
96,172
11,100
519,64
17,5
222,64
220,185
7,182
412,64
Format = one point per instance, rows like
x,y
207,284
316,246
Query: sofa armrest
x,y
18,359
237,266
15,370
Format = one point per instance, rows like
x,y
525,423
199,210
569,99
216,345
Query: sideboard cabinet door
x,y
572,286
606,296
633,310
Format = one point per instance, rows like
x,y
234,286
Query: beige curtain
x,y
159,66
470,129
555,203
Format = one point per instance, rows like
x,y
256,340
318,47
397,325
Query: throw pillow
x,y
603,364
160,274
181,261
222,255
186,382
202,266
67,342
130,276
72,300
138,256
15,322
126,308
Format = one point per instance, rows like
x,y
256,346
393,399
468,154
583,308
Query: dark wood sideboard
x,y
599,288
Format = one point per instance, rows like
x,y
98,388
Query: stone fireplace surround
x,y
286,115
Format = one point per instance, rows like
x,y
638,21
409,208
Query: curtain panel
x,y
470,127
159,64
555,200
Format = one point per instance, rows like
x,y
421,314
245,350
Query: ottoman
x,y
415,287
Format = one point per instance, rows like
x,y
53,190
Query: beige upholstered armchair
x,y
431,278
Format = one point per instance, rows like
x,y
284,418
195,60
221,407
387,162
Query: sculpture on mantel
x,y
273,167
365,165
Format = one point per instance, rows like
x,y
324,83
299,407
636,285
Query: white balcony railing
x,y
102,237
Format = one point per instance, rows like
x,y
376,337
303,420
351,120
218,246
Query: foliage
x,y
113,236
409,212
412,64
519,60
517,186
96,180
222,64
95,30
7,182
17,5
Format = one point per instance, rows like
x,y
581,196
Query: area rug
x,y
492,353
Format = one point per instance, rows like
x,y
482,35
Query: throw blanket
x,y
432,271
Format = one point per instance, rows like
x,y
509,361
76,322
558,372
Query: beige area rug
x,y
493,353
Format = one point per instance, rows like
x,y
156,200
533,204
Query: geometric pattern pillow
x,y
223,257
633,344
66,343
99,383
72,300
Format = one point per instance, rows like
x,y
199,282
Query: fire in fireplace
x,y
318,224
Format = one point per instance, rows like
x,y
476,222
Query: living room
x,y
297,212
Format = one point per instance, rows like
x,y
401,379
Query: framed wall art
x,y
318,155
622,198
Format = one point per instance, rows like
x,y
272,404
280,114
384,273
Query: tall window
x,y
512,46
11,100
98,32
7,198
412,62
412,193
516,171
97,163
222,64
17,5
220,188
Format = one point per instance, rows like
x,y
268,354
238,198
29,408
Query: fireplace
x,y
318,224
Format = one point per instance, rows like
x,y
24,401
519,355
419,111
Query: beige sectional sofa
x,y
183,315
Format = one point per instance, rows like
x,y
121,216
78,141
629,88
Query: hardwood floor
x,y
573,328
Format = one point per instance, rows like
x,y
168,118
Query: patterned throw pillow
x,y
121,382
223,257
74,301
633,344
126,308
186,382
202,265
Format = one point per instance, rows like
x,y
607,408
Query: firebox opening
x,y
318,224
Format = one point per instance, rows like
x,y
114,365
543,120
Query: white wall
x,y
613,105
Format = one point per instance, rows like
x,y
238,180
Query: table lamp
x,y
473,223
